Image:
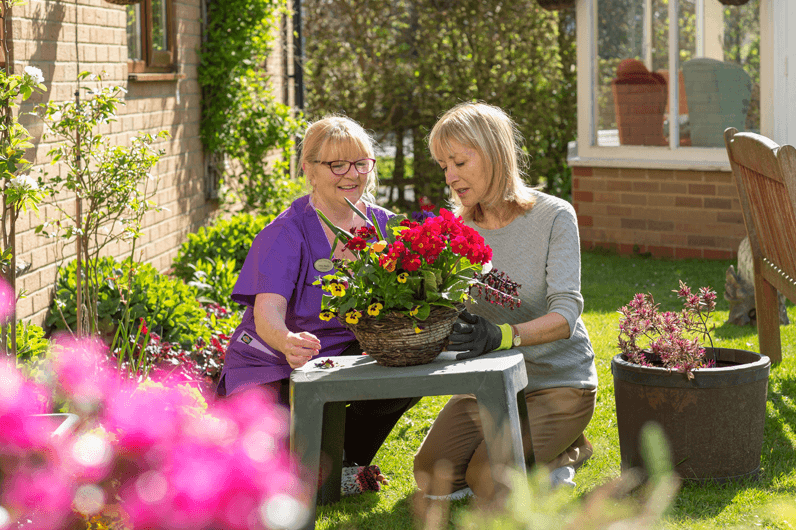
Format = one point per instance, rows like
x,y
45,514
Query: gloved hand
x,y
476,334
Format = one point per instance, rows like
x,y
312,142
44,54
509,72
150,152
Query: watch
x,y
517,340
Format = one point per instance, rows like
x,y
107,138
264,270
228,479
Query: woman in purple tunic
x,y
281,329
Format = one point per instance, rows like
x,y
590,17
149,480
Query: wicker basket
x,y
392,340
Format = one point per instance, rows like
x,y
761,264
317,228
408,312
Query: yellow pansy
x,y
375,308
326,315
415,310
418,329
337,289
403,277
353,316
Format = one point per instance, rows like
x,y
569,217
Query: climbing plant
x,y
19,191
243,126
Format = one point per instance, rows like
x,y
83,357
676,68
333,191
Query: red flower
x,y
459,245
365,232
356,243
411,262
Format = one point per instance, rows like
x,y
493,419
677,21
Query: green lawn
x,y
609,281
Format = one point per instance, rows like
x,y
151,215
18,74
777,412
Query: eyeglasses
x,y
341,167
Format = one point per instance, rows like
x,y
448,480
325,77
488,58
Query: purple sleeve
x,y
272,265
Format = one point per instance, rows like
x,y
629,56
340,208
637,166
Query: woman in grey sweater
x,y
534,240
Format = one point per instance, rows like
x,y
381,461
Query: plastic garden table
x,y
319,396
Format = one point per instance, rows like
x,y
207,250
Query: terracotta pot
x,y
714,422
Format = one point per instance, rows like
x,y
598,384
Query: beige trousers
x,y
453,454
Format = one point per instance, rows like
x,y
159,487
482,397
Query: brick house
x,y
151,50
674,198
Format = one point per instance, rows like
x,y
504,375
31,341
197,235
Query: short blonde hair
x,y
334,135
494,135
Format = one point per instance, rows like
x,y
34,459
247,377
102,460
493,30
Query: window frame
x,y
155,61
585,152
3,60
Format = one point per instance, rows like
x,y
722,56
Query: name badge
x,y
323,265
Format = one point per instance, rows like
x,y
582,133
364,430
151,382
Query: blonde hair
x,y
494,135
333,135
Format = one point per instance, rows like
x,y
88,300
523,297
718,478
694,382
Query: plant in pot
x,y
404,290
711,402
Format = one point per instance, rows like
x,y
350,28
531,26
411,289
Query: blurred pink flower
x,y
144,419
41,492
84,371
7,300
20,399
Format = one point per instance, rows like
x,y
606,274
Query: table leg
x,y
502,432
525,429
332,452
306,425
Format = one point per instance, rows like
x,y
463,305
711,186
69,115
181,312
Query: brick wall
x,y
667,213
64,38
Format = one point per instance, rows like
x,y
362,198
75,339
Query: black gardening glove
x,y
473,333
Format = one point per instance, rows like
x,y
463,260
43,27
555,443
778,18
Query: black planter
x,y
734,2
714,423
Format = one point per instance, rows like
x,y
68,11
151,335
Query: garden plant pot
x,y
714,422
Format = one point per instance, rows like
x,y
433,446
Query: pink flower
x,y
7,300
83,370
19,401
41,493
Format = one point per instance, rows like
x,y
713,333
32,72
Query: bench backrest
x,y
765,177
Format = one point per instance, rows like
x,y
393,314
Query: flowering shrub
x,y
669,339
199,364
152,455
413,267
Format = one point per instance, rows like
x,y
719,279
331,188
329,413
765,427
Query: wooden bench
x,y
765,176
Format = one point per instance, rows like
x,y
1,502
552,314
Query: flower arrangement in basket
x,y
403,292
649,337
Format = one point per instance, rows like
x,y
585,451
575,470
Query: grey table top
x,y
366,368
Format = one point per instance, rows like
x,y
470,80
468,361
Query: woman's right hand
x,y
299,348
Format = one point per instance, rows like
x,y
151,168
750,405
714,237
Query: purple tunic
x,y
282,261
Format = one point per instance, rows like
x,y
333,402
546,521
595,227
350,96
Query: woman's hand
x,y
299,348
269,321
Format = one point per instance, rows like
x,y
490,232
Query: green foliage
x,y
19,192
110,182
168,306
31,343
396,67
242,121
215,279
225,239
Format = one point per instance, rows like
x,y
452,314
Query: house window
x,y
715,51
627,50
150,36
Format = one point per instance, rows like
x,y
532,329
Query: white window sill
x,y
683,158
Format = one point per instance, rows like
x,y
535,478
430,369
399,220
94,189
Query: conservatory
x,y
658,83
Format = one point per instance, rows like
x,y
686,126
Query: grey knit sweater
x,y
540,250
